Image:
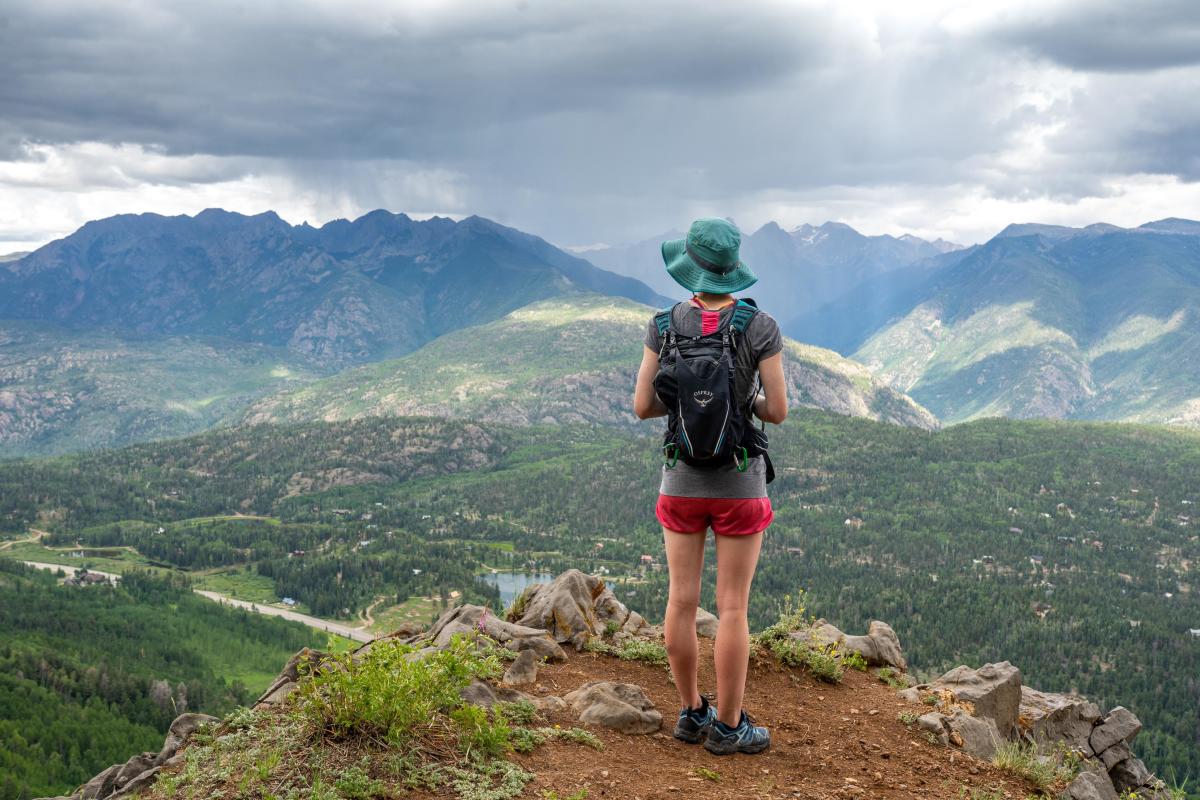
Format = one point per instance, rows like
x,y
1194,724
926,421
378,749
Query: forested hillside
x,y
561,361
1067,548
90,674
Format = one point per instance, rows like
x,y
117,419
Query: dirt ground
x,y
835,742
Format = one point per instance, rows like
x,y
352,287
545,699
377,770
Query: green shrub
x,y
387,694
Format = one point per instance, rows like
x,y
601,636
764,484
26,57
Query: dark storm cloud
x,y
589,121
1107,35
353,81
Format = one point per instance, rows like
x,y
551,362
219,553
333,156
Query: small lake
x,y
512,584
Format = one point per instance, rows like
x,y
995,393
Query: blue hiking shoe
x,y
694,723
745,738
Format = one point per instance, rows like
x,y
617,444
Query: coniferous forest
x,y
1069,549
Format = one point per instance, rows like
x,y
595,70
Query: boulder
x,y
470,619
993,690
523,671
102,785
1118,725
134,767
975,735
912,694
1046,718
575,607
1091,786
879,648
183,727
978,735
484,694
706,624
934,723
285,682
1115,755
623,707
143,781
550,704
1130,774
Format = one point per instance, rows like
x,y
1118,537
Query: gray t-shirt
x,y
762,340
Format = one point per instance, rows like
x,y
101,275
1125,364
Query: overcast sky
x,y
589,122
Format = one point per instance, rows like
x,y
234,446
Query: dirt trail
x,y
37,537
841,742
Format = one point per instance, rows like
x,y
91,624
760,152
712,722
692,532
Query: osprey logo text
x,y
702,397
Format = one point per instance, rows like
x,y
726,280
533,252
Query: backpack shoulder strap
x,y
662,320
743,312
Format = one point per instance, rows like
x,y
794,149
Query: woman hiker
x,y
715,470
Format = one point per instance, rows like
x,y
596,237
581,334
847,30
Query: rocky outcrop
x,y
1046,718
574,607
139,772
979,709
622,707
879,648
477,619
993,691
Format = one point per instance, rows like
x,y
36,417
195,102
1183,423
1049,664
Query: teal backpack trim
x,y
743,312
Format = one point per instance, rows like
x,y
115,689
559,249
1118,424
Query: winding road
x,y
271,611
357,634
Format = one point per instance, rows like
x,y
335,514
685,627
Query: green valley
x,y
1067,548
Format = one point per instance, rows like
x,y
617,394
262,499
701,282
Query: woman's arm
x,y
772,405
645,402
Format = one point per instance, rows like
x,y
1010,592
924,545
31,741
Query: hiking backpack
x,y
706,425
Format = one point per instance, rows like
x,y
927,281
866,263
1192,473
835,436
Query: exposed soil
x,y
835,742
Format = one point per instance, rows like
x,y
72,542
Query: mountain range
x,y
805,267
1046,321
342,294
141,327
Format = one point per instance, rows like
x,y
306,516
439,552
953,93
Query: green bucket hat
x,y
707,259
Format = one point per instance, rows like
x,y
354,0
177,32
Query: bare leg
x,y
737,556
685,562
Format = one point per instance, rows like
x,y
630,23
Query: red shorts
x,y
726,517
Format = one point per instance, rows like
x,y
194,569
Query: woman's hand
x,y
772,405
646,404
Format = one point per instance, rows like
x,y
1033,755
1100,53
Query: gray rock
x,y
143,781
934,723
879,648
1130,774
623,707
994,690
303,661
1115,755
470,619
979,735
1118,725
550,704
102,785
1047,718
1091,786
278,693
575,607
706,624
134,767
483,694
523,671
911,694
183,727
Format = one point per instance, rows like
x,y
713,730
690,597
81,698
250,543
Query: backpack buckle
x,y
743,462
670,455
